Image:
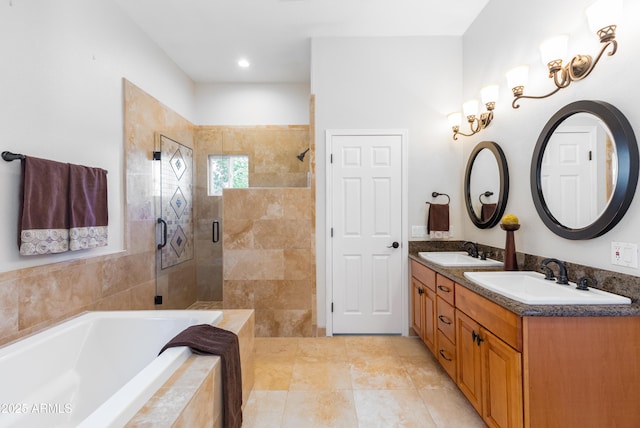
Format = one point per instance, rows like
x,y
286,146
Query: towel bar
x,y
8,156
436,194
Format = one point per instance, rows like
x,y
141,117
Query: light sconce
x,y
477,123
601,16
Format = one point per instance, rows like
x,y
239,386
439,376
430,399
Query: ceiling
x,y
206,38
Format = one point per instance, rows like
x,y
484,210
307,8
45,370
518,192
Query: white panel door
x,y
366,220
568,164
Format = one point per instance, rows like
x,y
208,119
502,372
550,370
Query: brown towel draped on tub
x,y
207,339
44,216
88,213
438,219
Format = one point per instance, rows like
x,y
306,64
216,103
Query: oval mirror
x,y
584,170
486,184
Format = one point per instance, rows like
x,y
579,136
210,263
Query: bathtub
x,y
94,370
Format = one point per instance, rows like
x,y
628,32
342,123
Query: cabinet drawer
x,y
423,274
500,321
447,355
445,289
446,319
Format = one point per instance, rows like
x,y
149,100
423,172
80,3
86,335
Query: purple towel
x,y
207,339
88,213
43,219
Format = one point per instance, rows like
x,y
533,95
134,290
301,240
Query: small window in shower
x,y
227,172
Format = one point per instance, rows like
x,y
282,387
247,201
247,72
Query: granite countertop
x,y
522,309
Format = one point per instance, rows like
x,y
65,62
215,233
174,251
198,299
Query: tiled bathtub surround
x,y
269,258
192,397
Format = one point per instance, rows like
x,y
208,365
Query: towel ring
x,y
486,195
436,194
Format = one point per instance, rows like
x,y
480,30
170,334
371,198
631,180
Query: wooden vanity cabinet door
x,y
416,306
502,383
469,360
424,313
430,325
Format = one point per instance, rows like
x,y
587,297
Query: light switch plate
x,y
624,254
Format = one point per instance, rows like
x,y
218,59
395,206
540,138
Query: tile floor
x,y
353,381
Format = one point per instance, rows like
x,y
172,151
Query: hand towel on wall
x,y
487,210
43,215
88,213
438,219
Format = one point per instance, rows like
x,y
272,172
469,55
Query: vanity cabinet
x,y
489,371
531,371
423,284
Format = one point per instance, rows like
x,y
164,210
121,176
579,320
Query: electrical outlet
x,y
624,254
419,231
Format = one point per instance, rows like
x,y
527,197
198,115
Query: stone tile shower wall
x,y
269,258
272,152
36,297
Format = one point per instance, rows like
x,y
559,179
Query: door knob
x,y
394,245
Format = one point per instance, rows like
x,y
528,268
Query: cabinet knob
x,y
420,291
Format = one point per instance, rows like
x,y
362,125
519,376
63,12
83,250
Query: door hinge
x,y
590,155
157,300
157,155
331,307
332,232
331,158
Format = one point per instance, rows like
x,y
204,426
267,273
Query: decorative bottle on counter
x,y
510,262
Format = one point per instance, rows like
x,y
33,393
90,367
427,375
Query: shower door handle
x,y
164,233
215,226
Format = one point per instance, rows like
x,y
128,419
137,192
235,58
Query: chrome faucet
x,y
473,250
562,270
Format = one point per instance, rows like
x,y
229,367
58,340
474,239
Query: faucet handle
x,y
583,283
548,273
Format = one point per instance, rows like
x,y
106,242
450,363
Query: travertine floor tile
x,y
379,373
353,382
320,376
383,408
450,409
264,409
320,409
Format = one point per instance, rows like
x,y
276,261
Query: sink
x,y
531,288
456,258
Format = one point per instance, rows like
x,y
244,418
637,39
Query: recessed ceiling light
x,y
243,63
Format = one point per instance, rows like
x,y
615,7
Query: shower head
x,y
301,155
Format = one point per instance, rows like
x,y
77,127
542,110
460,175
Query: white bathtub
x,y
95,370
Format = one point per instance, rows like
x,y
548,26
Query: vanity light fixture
x,y
601,16
477,123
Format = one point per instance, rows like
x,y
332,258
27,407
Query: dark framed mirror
x,y
584,169
486,184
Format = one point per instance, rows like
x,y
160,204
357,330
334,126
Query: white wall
x,y
248,104
61,83
508,33
395,83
